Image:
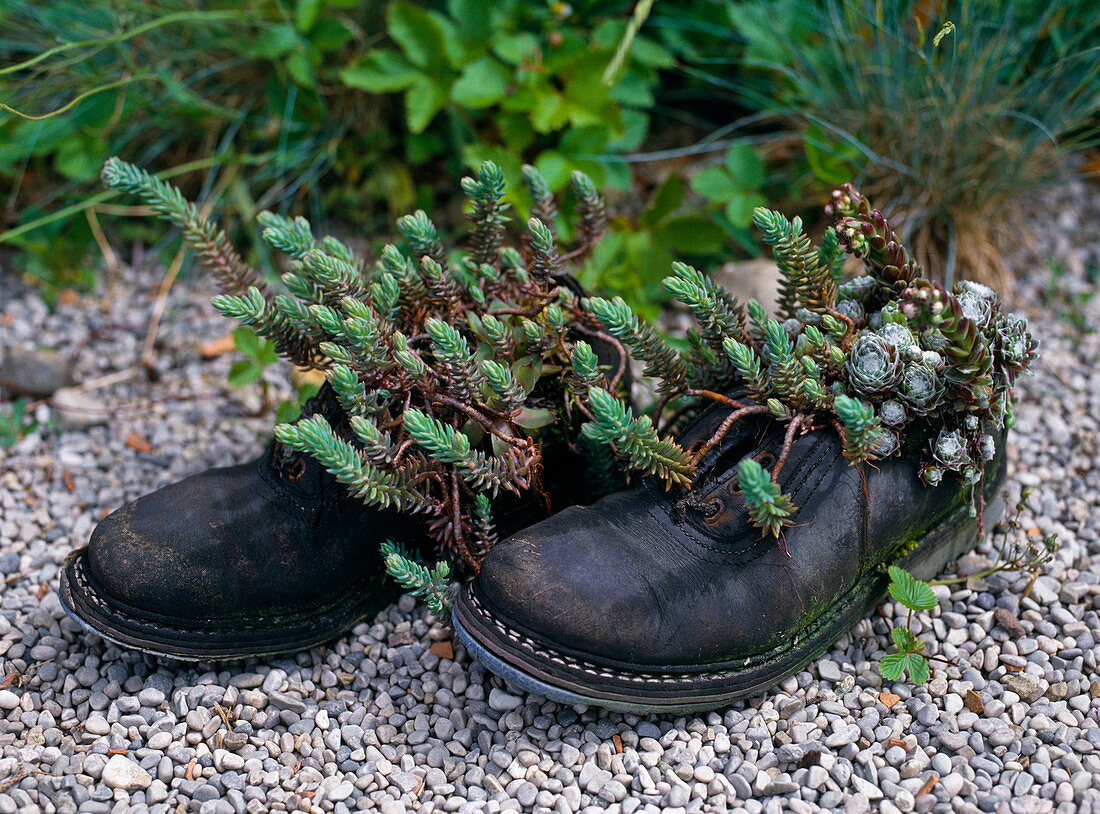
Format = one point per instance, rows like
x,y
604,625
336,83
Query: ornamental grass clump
x,y
452,367
892,361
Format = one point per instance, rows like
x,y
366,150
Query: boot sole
x,y
225,639
574,678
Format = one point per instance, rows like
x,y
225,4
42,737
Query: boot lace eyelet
x,y
296,470
765,458
711,508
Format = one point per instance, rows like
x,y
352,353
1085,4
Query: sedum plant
x,y
894,362
452,367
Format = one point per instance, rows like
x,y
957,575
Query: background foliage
x,y
352,112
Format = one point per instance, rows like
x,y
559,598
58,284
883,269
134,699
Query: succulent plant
x,y
449,366
950,449
874,367
890,358
921,387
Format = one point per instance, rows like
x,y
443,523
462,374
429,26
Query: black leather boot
x,y
267,557
654,601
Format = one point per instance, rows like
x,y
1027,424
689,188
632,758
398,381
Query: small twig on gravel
x,y
110,259
7,783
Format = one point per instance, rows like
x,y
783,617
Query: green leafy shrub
x,y
305,107
177,84
533,74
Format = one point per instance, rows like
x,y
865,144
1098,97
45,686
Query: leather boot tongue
x,y
748,436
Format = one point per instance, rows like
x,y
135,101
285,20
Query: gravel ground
x,y
394,718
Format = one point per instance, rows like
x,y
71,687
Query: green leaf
x,y
424,99
242,372
514,48
482,83
471,19
246,341
554,168
274,41
693,234
81,157
301,70
667,198
381,71
740,205
417,32
531,418
287,412
892,666
745,166
912,593
649,52
715,184
305,14
918,668
328,35
550,113
831,160
904,640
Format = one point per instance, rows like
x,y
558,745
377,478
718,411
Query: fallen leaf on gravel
x,y
974,702
43,589
929,784
216,347
618,743
445,650
70,485
138,443
888,698
1008,621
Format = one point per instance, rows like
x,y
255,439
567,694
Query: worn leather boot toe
x,y
654,601
266,557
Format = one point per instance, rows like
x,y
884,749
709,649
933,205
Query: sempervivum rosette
x,y
921,388
980,303
873,366
1014,348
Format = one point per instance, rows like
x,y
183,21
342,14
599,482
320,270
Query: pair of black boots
x,y
647,600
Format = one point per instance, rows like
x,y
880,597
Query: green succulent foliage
x,y
635,440
891,359
449,365
769,509
443,354
433,584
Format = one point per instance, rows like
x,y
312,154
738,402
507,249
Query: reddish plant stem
x,y
456,527
710,394
788,442
849,327
487,423
724,428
